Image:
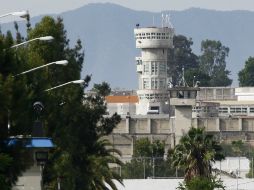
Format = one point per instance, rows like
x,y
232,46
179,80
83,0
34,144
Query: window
x,y
139,62
223,110
146,84
238,110
162,68
154,68
162,83
146,68
153,36
154,83
251,110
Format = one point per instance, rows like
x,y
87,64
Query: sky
x,y
38,7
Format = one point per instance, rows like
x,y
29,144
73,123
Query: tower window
x,y
154,68
146,84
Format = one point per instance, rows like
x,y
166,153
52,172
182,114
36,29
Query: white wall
x,y
172,184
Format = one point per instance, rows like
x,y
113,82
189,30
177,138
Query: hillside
x,y
106,31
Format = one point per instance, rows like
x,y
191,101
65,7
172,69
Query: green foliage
x,y
103,89
148,161
202,183
239,148
195,152
246,75
181,56
74,121
5,163
250,174
209,68
15,114
213,63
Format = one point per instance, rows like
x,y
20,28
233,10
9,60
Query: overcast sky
x,y
37,7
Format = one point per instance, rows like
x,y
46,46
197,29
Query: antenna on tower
x,y
162,20
183,82
153,20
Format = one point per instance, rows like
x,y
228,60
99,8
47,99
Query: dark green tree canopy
x,y
195,153
209,68
75,121
246,75
181,56
213,63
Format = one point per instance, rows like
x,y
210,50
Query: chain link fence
x,y
160,167
148,167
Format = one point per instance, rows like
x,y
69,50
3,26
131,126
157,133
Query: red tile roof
x,y
122,99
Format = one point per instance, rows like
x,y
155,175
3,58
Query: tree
x,y
213,62
74,121
246,75
195,152
202,183
181,56
147,161
15,112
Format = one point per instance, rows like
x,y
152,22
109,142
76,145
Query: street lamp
x,y
21,14
44,38
62,62
71,82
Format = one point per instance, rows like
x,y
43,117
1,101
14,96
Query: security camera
x,y
38,107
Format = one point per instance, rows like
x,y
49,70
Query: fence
x,y
159,167
148,167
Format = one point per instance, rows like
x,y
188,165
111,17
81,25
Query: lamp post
x,y
71,82
21,14
62,62
41,158
44,38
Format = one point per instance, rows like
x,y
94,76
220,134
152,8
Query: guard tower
x,y
183,99
152,68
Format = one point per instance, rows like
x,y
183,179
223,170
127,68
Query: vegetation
x,y
246,75
181,56
195,153
213,62
239,148
209,68
75,122
15,111
148,161
202,183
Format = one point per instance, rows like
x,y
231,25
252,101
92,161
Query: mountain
x,y
106,31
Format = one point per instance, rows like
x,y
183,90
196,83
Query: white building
x,y
152,69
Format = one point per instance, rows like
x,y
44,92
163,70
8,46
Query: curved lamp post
x,y
21,14
62,62
44,38
71,82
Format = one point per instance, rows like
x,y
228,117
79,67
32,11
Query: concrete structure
x,y
218,110
160,111
31,178
235,165
183,99
152,69
172,184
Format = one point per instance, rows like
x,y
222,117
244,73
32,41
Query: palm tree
x,y
100,175
195,152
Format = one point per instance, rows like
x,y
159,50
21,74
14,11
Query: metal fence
x,y
147,167
160,167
